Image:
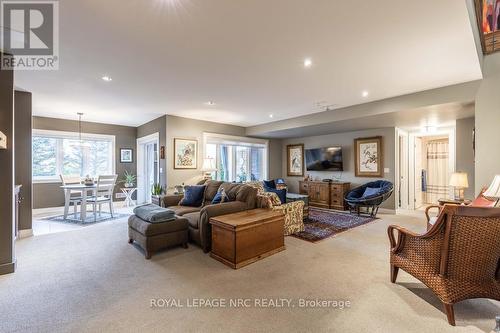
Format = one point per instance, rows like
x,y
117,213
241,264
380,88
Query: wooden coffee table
x,y
242,238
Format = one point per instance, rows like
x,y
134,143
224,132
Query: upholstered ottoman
x,y
155,236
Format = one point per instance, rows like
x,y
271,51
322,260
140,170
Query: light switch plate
x,y
387,170
3,141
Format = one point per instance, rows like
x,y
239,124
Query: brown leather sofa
x,y
242,197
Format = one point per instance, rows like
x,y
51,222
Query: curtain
x,y
224,170
437,170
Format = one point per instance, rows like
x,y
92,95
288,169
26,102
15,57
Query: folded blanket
x,y
154,214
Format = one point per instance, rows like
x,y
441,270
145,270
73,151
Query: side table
x,y
129,191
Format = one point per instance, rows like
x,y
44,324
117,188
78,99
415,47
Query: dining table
x,y
84,189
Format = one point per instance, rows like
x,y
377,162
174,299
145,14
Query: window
x,y
238,159
56,153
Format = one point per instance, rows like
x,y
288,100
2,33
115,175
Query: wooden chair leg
x,y
394,273
148,255
450,313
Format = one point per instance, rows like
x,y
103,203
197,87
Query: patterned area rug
x,y
89,219
323,224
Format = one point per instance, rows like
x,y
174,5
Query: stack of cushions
x,y
193,196
270,186
154,214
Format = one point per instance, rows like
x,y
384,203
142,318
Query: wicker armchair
x,y
480,201
458,258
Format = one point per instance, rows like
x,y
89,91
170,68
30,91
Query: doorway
x,y
148,170
425,163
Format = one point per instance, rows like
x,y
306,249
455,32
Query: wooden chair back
x,y
471,246
105,186
70,180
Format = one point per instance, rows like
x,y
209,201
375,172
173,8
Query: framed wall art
x,y
368,154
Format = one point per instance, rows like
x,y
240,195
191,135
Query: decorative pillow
x,y
369,191
269,183
281,193
220,197
193,196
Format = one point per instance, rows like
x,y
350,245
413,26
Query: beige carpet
x,y
92,280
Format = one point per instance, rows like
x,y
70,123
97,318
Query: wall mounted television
x,y
324,159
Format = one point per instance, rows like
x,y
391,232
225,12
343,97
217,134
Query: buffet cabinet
x,y
325,194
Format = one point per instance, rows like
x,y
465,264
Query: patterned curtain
x,y
437,170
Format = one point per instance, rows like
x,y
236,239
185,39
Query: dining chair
x,y
103,194
74,197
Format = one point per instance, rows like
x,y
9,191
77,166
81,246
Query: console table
x,y
326,194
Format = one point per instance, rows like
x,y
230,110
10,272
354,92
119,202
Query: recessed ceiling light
x,y
308,62
271,115
107,78
210,103
365,93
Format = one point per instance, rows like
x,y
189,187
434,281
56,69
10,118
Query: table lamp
x,y
208,167
459,181
494,190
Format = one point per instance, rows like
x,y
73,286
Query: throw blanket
x,y
154,214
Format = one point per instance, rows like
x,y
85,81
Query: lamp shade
x,y
208,165
494,190
459,179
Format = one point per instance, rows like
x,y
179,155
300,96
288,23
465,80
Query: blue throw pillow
x,y
269,183
193,196
220,197
369,191
281,193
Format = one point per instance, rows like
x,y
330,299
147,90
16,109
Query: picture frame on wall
x,y
369,154
295,160
185,153
126,155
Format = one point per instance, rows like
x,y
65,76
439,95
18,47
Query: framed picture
x,y
295,160
185,154
126,155
369,154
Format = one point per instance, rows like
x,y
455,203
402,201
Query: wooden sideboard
x,y
325,194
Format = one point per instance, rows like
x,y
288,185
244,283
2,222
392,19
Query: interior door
x,y
418,172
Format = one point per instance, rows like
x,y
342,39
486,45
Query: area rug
x,y
323,224
89,219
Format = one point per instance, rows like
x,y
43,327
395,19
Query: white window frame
x,y
72,136
231,140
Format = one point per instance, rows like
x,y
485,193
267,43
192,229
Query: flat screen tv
x,y
324,159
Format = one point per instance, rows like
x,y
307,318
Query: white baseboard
x,y
25,233
387,211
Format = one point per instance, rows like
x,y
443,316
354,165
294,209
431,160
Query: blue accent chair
x,y
356,199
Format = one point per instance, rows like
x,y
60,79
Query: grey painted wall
x,y
346,141
22,156
178,127
275,159
158,125
7,260
465,152
487,122
49,194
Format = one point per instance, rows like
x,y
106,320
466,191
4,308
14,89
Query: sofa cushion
x,y
193,219
370,191
193,196
281,193
240,192
153,229
182,210
220,197
212,187
270,183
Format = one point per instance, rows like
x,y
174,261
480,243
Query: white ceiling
x,y
171,56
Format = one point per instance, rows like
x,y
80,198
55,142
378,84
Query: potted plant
x,y
157,189
129,179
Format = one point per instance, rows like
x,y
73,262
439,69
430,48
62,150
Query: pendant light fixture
x,y
81,144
